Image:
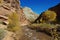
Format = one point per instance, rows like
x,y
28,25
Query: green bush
x,y
2,34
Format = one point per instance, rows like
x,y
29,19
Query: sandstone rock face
x,y
9,35
10,6
30,15
23,18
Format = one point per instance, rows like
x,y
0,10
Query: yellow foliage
x,y
1,1
48,16
13,22
14,25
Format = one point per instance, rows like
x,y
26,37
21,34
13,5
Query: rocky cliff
x,y
30,15
10,6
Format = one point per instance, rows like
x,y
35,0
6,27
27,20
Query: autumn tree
x,y
48,16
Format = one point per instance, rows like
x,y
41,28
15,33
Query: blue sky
x,y
39,6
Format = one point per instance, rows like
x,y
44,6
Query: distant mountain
x,y
30,15
56,9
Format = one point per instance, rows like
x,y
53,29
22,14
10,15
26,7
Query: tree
x,y
48,16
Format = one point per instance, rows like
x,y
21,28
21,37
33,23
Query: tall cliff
x,y
30,15
10,6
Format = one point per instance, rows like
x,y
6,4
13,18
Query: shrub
x,y
48,28
13,22
2,34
